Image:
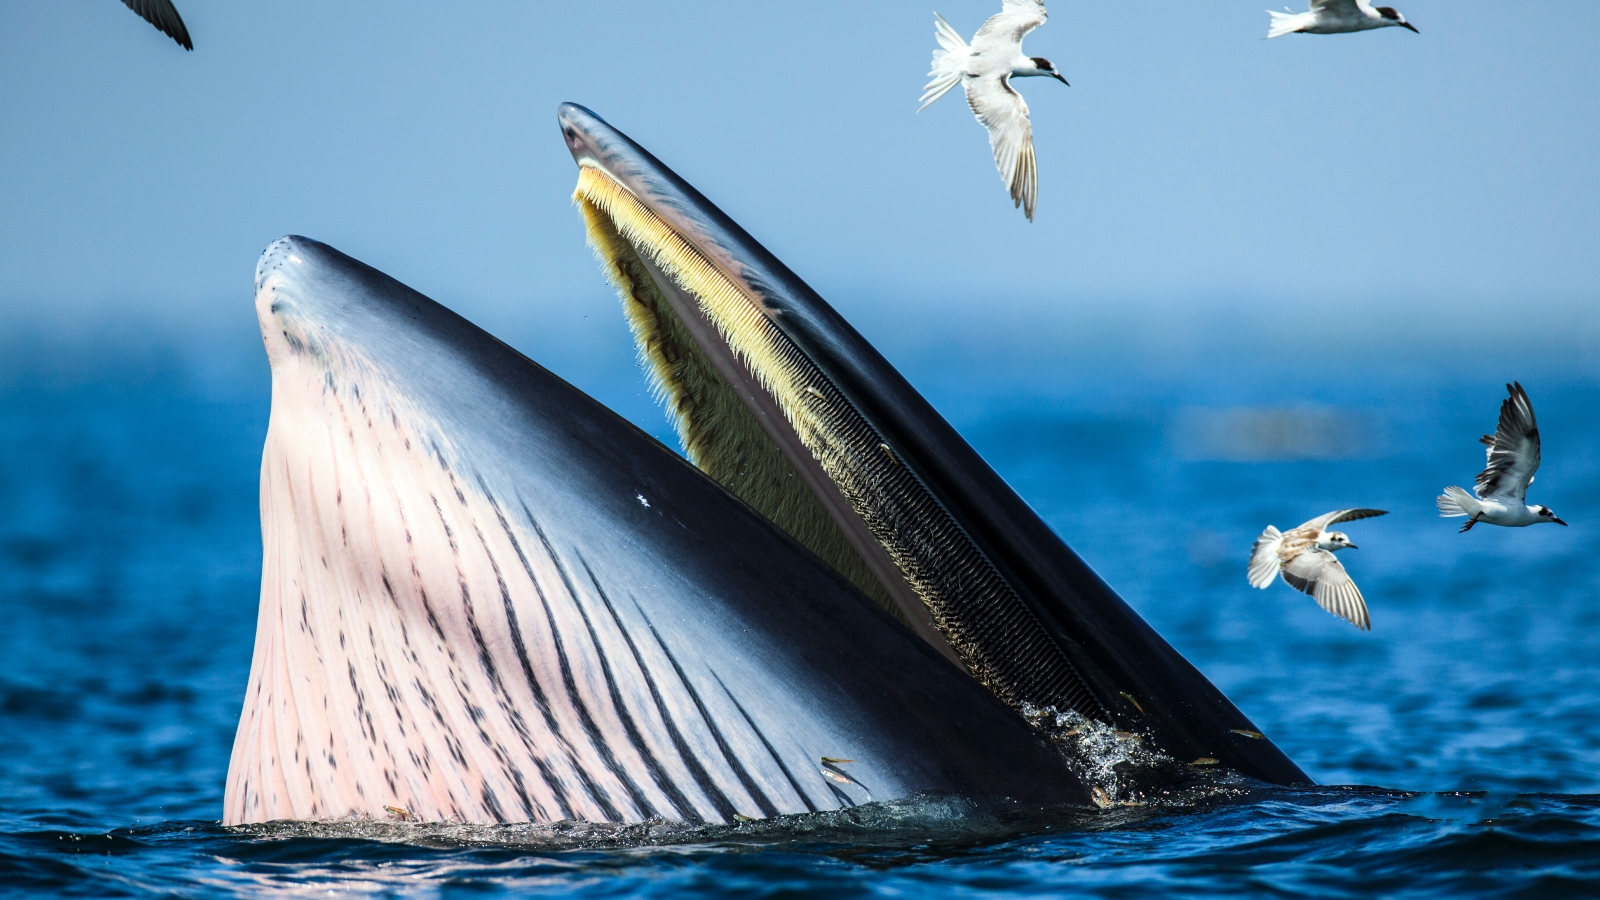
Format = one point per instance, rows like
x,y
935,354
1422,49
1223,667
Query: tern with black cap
x,y
984,69
1502,487
1336,17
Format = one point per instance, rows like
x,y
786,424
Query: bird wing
x,y
1002,110
1006,28
1318,573
1321,523
164,16
1514,450
1264,558
1341,8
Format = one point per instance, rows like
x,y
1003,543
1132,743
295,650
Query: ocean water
x,y
1457,744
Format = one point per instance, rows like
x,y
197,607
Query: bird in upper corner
x,y
164,16
985,68
1304,557
1502,487
1336,17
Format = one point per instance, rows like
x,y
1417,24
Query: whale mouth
x,y
780,400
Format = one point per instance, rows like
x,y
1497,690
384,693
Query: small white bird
x,y
1304,557
1336,17
985,69
1502,487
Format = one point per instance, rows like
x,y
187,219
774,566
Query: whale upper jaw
x,y
785,404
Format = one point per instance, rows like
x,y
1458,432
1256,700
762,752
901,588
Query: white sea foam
x,y
1121,769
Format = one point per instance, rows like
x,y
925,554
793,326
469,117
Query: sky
x,y
1191,166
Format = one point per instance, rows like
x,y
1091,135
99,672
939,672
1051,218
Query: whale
x,y
486,598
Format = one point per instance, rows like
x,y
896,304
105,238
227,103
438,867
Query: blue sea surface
x,y
1457,744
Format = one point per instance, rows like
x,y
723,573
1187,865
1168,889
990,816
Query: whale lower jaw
x,y
485,598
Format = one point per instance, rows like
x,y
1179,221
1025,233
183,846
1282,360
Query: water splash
x,y
1121,769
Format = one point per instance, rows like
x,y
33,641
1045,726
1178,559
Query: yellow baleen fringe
x,y
719,434
737,316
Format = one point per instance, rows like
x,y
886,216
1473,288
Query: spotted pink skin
x,y
387,674
365,613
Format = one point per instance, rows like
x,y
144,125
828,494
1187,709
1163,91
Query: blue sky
x,y
1190,163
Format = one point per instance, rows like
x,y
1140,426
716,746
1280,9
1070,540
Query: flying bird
x,y
1304,557
1502,486
164,16
985,68
1336,17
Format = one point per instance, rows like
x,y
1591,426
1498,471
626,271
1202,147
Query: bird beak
x,y
1410,26
1557,521
1058,77
1352,546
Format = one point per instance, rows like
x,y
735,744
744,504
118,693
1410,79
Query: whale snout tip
x,y
569,109
585,133
285,251
571,114
280,276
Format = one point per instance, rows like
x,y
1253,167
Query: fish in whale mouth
x,y
486,598
776,397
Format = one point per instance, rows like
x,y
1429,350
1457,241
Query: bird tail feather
x,y
1284,23
1456,502
949,62
1264,558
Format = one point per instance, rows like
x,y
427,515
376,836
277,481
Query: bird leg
x,y
1470,522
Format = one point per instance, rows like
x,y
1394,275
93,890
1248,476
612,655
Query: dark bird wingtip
x,y
164,16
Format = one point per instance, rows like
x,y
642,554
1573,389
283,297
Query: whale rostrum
x,y
860,468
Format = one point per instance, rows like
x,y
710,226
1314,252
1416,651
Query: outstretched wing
x,y
1318,573
163,15
1004,113
1341,8
1010,25
1514,451
1321,523
1264,558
